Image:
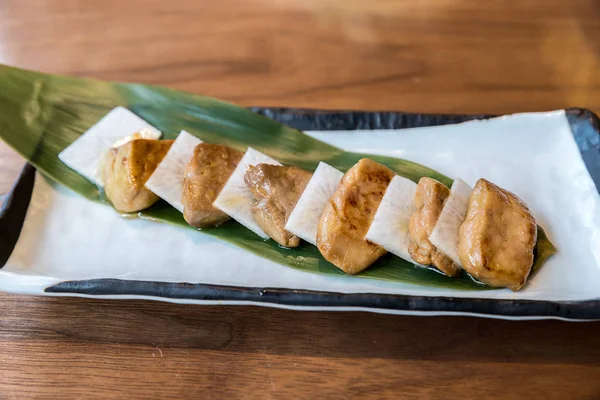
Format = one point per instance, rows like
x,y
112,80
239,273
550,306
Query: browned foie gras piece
x,y
348,215
276,190
126,170
430,199
205,175
497,239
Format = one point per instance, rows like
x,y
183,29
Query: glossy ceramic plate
x,y
551,160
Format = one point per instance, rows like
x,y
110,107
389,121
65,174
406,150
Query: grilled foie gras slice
x,y
276,190
497,239
126,170
348,215
206,173
430,199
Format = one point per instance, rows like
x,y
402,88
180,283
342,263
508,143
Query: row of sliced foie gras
x,y
353,218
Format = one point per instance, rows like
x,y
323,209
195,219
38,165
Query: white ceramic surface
x,y
533,155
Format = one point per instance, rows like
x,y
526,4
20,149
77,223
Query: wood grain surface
x,y
457,56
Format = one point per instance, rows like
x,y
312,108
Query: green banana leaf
x,y
41,114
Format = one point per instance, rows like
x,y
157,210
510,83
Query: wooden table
x,y
460,56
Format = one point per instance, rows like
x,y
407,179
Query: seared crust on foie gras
x,y
497,239
430,199
348,215
126,170
276,190
207,171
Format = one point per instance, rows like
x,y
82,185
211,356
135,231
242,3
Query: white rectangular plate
x,y
533,155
